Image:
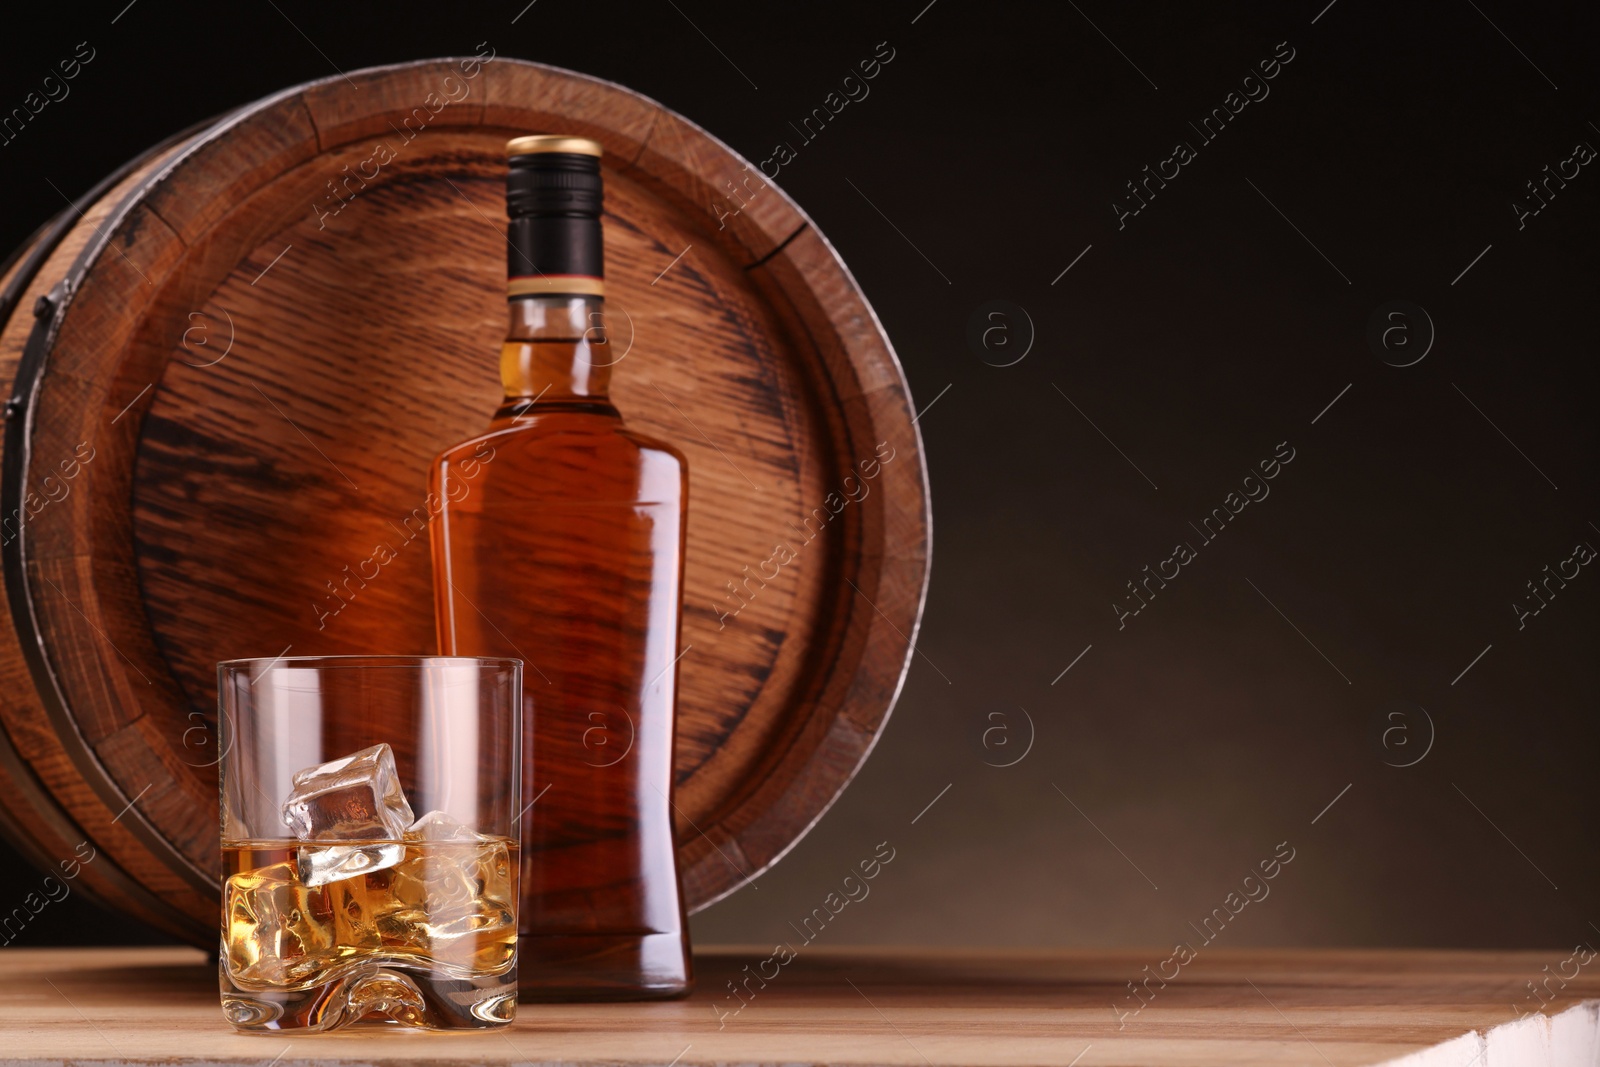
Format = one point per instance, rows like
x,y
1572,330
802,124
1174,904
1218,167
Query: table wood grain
x,y
860,1006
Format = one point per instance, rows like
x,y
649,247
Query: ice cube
x,y
445,890
441,826
356,798
280,932
353,799
321,864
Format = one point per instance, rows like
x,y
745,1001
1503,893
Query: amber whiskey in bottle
x,y
559,540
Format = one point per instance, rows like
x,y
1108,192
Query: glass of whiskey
x,y
369,843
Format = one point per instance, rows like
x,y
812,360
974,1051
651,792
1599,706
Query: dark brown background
x,y
1325,632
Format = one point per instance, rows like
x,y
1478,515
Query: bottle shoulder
x,y
645,443
563,433
567,456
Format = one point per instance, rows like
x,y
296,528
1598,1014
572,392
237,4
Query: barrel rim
x,y
29,258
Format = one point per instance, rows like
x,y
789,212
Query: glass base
x,y
377,996
568,967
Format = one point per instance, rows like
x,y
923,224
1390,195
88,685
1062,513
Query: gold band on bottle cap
x,y
554,284
552,142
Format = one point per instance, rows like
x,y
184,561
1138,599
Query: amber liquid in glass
x,y
560,541
427,942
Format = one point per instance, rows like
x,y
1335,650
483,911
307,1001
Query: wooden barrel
x,y
231,363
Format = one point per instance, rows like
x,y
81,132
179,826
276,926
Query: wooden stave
x,y
770,254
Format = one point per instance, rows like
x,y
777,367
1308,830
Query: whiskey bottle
x,y
559,540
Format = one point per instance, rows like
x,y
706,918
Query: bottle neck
x,y
556,351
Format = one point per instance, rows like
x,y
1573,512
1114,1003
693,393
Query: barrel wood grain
x,y
265,352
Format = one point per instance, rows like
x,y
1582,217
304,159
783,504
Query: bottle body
x,y
559,540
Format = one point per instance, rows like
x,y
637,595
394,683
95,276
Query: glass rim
x,y
373,661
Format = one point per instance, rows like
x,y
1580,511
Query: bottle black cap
x,y
554,199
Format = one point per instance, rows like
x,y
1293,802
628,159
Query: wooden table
x,y
159,1006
